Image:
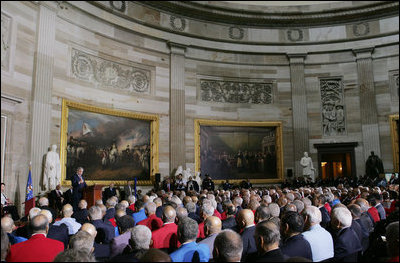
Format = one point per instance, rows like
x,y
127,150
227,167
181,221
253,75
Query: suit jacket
x,y
81,216
249,243
381,211
107,230
132,256
346,245
110,213
24,231
68,196
139,216
365,235
166,237
15,239
186,251
108,192
101,251
77,187
59,233
271,256
193,185
165,186
296,246
159,211
119,243
326,218
195,217
152,222
33,250
209,241
129,191
55,199
229,223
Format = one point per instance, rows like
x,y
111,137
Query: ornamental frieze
x,y
109,74
235,92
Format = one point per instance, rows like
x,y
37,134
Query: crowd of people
x,y
207,223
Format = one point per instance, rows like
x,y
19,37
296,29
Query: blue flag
x,y
29,186
135,186
29,200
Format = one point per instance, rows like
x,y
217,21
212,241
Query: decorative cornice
x,y
211,13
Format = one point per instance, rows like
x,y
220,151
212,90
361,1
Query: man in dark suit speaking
x,y
78,184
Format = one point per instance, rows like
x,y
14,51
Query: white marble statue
x,y
308,168
52,169
179,170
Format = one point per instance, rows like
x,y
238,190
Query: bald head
x,y
67,210
169,214
245,218
212,225
89,228
40,224
7,224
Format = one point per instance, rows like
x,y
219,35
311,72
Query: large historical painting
x,y
110,145
239,150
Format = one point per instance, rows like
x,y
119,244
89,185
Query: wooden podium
x,y
92,193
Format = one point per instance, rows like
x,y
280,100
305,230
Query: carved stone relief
x,y
5,41
118,5
361,29
333,114
177,23
236,33
394,85
109,74
295,35
235,92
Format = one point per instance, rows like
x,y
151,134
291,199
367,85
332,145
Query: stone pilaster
x,y
177,106
299,109
42,90
368,108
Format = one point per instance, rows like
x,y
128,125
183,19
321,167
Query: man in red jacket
x,y
152,221
38,248
166,236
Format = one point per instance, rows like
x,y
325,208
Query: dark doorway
x,y
336,160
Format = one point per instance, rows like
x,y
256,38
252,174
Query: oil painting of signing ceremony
x,y
200,131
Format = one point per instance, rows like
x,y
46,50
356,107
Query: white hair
x,y
111,202
208,209
140,237
306,201
176,200
275,210
131,199
313,213
151,207
48,214
43,201
34,212
214,204
267,199
238,201
343,215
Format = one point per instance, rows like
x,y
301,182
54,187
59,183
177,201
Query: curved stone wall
x,y
175,55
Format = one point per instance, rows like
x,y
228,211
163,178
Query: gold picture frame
x,y
153,167
199,123
393,121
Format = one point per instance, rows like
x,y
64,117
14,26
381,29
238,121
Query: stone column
x,y
42,89
177,106
299,109
368,108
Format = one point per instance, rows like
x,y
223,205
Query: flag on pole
x,y
29,200
135,187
